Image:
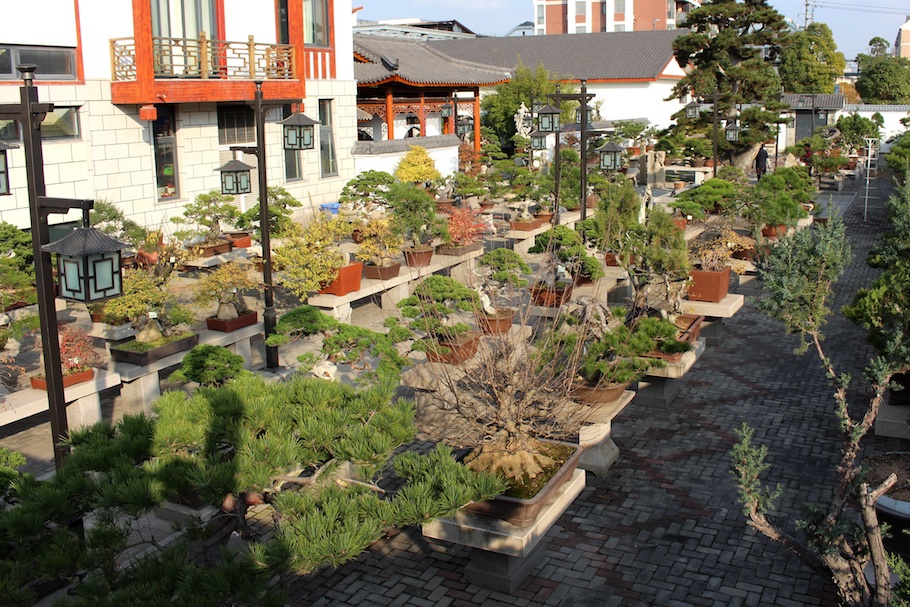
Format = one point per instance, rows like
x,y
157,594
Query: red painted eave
x,y
200,91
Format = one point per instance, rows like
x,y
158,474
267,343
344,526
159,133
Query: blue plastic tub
x,y
331,207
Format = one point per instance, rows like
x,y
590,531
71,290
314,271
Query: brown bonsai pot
x,y
142,359
544,217
486,205
597,394
460,349
224,246
524,225
40,383
523,512
226,326
497,323
348,280
459,250
774,231
375,272
551,297
240,239
709,286
418,257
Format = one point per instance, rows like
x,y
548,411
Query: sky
x,y
853,23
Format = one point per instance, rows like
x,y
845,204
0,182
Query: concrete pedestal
x,y
502,554
660,386
600,451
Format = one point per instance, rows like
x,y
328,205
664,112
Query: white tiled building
x,y
148,97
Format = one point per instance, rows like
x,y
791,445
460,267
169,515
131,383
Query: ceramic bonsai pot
x,y
551,297
709,286
374,272
348,280
524,226
460,349
458,251
143,359
774,231
224,246
598,395
418,258
226,326
497,323
40,383
523,512
543,217
240,239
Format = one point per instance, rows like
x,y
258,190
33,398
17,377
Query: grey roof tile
x,y
414,62
823,101
639,55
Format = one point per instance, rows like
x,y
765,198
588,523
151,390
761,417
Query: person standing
x,y
761,162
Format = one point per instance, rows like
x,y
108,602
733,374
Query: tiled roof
x,y
639,55
414,62
403,145
810,101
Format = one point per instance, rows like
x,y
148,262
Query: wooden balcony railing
x,y
204,58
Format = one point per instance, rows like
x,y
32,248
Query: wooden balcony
x,y
182,70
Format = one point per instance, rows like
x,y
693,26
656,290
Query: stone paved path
x,y
664,527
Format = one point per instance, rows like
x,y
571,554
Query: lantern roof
x,y
83,242
300,119
235,165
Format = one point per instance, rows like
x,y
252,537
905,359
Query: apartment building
x,y
587,16
149,96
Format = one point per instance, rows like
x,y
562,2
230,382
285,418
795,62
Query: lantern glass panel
x,y
236,182
549,122
538,142
104,275
732,133
70,281
609,161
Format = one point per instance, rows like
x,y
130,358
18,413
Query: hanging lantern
x,y
693,109
538,140
610,156
88,265
235,178
548,119
298,132
732,132
465,125
588,113
446,110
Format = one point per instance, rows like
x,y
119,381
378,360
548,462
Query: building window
x,y
293,169
580,29
316,23
236,124
328,163
164,130
581,8
54,63
619,27
540,13
619,6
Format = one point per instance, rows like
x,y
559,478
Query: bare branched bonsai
x,y
799,274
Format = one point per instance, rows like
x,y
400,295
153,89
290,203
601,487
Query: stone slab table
x,y
712,326
660,386
502,554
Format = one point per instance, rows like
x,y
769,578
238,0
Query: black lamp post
x,y
235,179
89,261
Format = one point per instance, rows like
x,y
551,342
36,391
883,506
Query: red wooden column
x,y
389,113
476,120
422,116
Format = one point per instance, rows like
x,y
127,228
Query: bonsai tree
x,y
281,205
208,365
309,257
207,214
414,214
697,148
617,211
431,309
77,351
416,167
381,243
778,198
656,257
713,249
502,271
463,227
715,195
17,268
842,538
467,185
367,192
149,306
224,286
636,132
565,247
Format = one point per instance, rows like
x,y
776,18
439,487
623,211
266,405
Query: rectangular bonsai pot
x,y
226,326
523,512
40,383
709,286
143,359
348,280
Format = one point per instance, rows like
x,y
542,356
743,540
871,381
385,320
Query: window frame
x,y
327,153
243,129
159,144
14,52
312,18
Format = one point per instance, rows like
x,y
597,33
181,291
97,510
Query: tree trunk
x,y
746,158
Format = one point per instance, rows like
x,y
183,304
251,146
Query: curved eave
x,y
405,81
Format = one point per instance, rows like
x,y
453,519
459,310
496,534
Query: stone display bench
x,y
712,326
30,310
83,405
142,385
502,554
688,174
207,263
395,289
600,452
521,241
660,386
